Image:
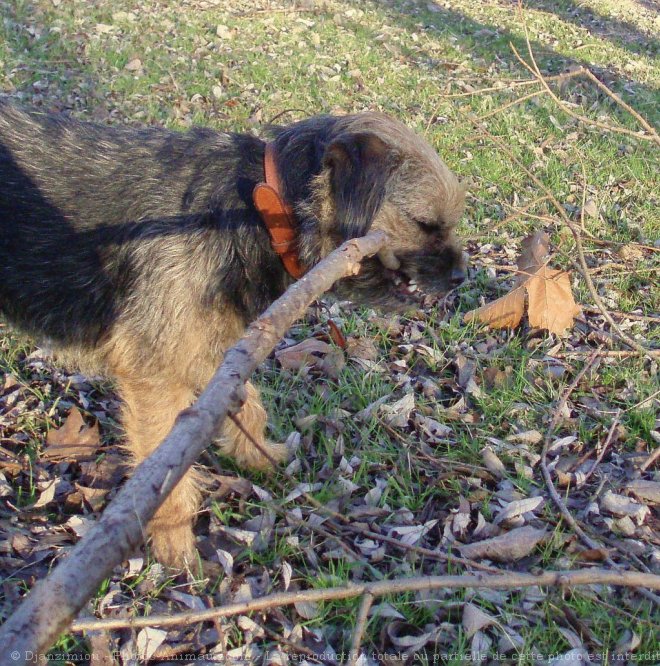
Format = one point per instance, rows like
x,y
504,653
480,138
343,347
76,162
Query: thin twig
x,y
502,581
642,402
650,460
347,524
583,119
360,626
556,498
605,446
512,84
612,95
614,353
508,105
520,211
534,69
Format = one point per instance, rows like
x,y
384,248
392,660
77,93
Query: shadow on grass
x,y
620,33
43,56
491,42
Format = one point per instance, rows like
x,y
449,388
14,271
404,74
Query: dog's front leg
x,y
151,407
247,443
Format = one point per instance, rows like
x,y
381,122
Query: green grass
x,y
407,59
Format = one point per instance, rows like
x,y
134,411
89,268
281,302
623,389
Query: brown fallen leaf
x,y
336,335
505,312
73,441
507,547
94,497
593,555
304,353
550,302
363,348
475,619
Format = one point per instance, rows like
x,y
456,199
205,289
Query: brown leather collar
x,y
278,216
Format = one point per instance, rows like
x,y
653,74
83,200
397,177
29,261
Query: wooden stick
x,y
381,588
55,601
360,626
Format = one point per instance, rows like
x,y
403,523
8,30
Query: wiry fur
x,y
140,251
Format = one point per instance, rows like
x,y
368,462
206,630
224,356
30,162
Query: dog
x,y
145,253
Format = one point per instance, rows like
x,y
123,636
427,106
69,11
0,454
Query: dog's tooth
x,y
397,280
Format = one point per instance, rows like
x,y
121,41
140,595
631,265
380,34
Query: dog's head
x,y
372,172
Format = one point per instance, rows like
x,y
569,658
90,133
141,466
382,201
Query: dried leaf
x,y
47,495
518,508
385,610
493,463
363,348
527,437
434,430
505,312
74,440
571,637
625,646
148,641
590,208
620,505
304,353
133,65
575,656
226,560
94,497
398,413
648,491
474,619
336,335
479,647
505,548
192,601
407,637
287,572
411,534
365,414
245,537
307,609
550,303
534,251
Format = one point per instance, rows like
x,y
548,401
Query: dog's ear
x,y
359,165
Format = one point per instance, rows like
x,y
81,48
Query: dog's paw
x,y
174,547
265,457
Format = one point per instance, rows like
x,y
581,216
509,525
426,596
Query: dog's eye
x,y
426,227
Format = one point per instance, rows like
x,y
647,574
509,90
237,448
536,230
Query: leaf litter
x,y
57,476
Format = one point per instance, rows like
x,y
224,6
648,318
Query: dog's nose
x,y
456,277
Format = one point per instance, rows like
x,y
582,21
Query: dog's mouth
x,y
405,287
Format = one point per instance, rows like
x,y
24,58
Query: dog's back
x,y
79,200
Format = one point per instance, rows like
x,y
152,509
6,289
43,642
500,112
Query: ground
x,y
455,440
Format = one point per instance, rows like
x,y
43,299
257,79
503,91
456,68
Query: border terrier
x,y
142,254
